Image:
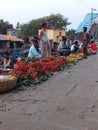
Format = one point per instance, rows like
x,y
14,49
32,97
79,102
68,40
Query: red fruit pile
x,y
39,68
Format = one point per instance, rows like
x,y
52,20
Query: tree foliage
x,y
71,34
4,25
53,20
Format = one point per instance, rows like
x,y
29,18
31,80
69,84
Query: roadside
x,y
67,101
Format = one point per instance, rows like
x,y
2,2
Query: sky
x,y
23,11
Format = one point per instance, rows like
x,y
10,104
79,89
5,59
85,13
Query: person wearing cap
x,y
34,50
85,41
45,45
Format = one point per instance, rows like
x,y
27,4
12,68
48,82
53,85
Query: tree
x,y
4,25
31,28
71,34
57,20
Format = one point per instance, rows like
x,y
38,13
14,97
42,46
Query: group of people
x,y
63,49
45,47
34,50
86,42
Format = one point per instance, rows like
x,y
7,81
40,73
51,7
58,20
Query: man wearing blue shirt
x,y
34,50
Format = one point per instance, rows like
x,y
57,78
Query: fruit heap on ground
x,y
73,58
80,55
30,71
33,69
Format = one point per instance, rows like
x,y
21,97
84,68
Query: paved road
x,y
67,101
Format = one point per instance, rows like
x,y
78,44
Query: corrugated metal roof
x,y
87,22
10,38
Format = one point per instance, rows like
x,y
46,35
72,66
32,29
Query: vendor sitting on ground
x,y
54,50
34,50
92,47
74,47
6,62
63,47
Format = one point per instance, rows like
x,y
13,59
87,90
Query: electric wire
x,y
81,3
86,5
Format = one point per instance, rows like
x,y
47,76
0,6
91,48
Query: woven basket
x,y
7,83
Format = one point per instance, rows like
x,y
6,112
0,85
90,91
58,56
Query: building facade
x,y
55,34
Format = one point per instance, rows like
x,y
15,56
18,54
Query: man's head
x,y
64,38
35,43
55,44
76,42
84,29
6,55
44,25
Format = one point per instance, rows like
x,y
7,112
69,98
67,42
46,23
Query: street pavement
x,y
66,101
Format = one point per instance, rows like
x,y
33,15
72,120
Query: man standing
x,y
85,41
45,45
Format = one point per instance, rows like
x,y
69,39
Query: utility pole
x,y
91,16
92,26
92,9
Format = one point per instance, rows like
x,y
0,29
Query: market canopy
x,y
10,38
87,22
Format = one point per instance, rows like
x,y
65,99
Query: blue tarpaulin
x,y
87,22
